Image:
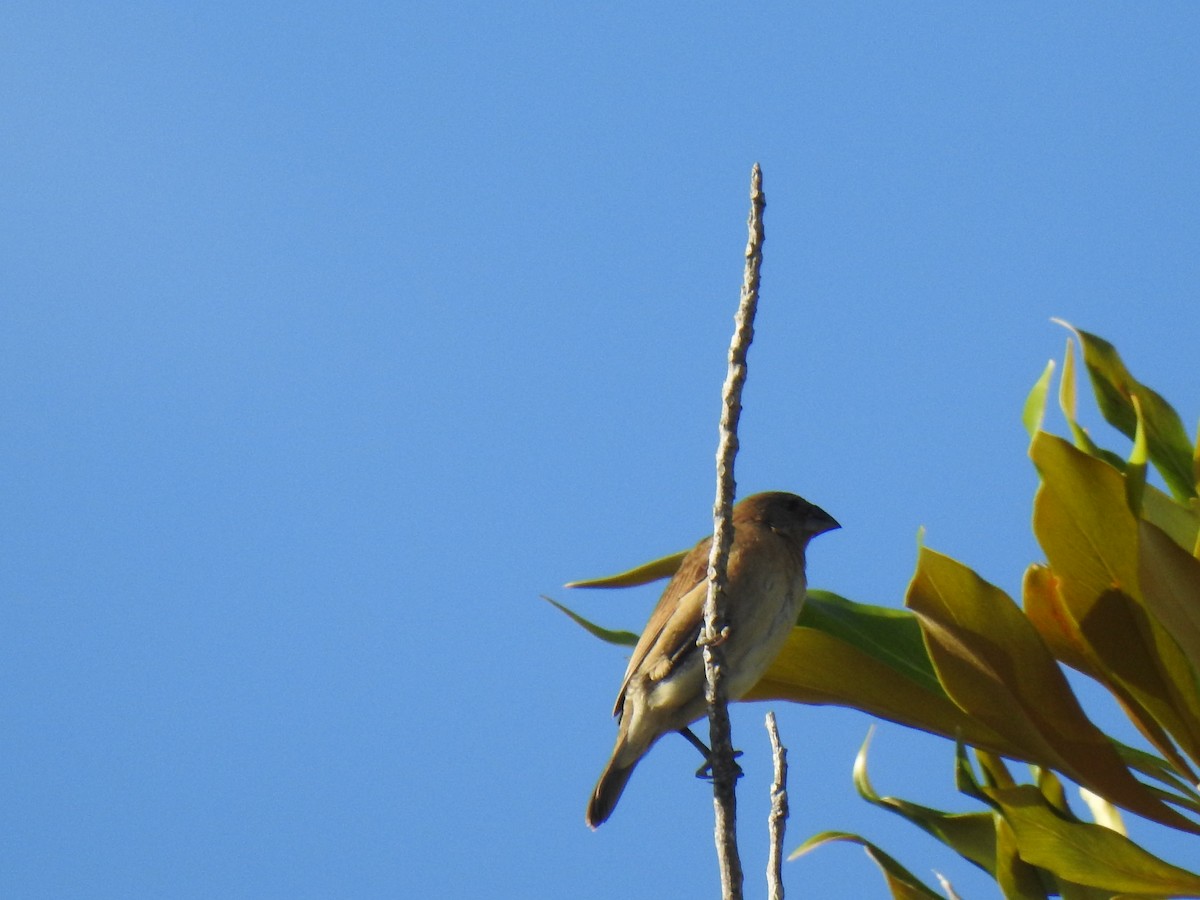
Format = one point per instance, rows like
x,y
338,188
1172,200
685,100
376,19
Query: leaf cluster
x,y
1117,599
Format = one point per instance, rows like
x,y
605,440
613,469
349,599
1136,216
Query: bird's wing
x,y
674,625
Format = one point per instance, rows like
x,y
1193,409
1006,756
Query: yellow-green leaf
x,y
1070,891
889,635
970,835
1169,577
1135,470
1170,449
817,668
955,609
1067,400
1017,879
995,772
1081,517
1046,609
1052,789
643,574
1086,853
893,677
1196,462
992,663
623,638
1090,537
902,884
1181,522
1035,404
1013,868
1181,781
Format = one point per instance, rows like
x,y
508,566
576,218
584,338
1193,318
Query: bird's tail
x,y
608,789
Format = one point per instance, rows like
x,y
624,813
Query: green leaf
x,y
1083,852
994,666
624,638
1196,460
890,635
1181,522
1066,400
1016,872
1183,793
893,677
643,574
1035,404
1169,577
970,835
1071,891
1017,879
1052,789
1066,386
1135,470
868,669
1170,449
901,882
1196,469
1048,612
1090,537
1080,510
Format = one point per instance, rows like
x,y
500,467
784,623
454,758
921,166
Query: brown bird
x,y
663,690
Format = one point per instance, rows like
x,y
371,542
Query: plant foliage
x,y
1117,599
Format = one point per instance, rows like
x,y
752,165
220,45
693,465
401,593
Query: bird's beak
x,y
820,521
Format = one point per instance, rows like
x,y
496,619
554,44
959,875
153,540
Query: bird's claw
x,y
705,771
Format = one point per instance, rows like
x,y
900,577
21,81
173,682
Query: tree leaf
x,y
970,835
1169,577
890,635
901,882
1034,411
997,781
1170,449
1017,879
1052,789
818,668
1162,771
1135,468
1067,401
1181,522
623,638
1054,621
994,666
892,675
643,574
1090,538
1083,852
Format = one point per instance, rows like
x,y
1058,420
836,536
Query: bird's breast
x,y
759,624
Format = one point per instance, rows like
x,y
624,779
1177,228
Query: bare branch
x,y
711,636
777,821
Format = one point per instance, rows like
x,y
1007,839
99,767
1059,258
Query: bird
x,y
664,684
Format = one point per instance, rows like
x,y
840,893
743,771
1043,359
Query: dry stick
x,y
713,633
777,821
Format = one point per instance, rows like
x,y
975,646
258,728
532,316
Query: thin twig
x,y
777,821
951,894
713,633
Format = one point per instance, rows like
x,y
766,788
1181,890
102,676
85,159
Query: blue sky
x,y
331,337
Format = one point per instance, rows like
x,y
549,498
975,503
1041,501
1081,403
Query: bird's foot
x,y
705,771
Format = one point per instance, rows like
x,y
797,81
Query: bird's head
x,y
786,514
